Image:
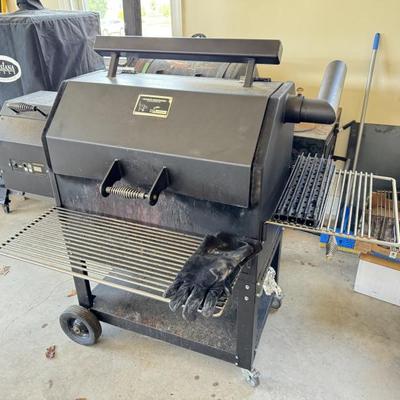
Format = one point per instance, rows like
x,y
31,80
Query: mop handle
x,y
375,47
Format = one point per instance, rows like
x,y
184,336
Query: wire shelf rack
x,y
356,207
133,257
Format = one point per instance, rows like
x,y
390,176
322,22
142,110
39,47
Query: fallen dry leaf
x,y
72,293
51,352
4,270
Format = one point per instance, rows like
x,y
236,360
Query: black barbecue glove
x,y
208,273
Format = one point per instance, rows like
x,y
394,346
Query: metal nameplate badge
x,y
153,106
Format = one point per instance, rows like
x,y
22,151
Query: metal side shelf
x,y
359,205
122,254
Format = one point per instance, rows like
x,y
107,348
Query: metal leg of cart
x,y
247,323
82,286
253,308
4,197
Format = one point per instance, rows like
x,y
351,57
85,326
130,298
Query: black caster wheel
x,y
276,303
80,325
6,208
252,377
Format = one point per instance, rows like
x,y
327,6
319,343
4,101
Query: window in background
x,y
156,16
111,16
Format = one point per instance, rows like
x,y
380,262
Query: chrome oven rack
x,y
360,206
136,258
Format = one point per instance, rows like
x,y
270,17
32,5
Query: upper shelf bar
x,y
194,49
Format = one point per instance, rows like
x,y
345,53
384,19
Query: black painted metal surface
x,y
212,129
221,50
4,195
233,337
22,157
379,151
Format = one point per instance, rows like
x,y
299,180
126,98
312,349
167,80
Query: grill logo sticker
x,y
153,106
10,70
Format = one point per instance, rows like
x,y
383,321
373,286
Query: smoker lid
x,y
207,140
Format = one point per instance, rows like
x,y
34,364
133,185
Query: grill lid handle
x,y
250,51
206,49
115,173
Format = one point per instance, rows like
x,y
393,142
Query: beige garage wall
x,y
54,4
11,5
313,32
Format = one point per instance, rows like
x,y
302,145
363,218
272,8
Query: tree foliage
x,y
98,5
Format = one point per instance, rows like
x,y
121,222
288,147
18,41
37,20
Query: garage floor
x,y
326,342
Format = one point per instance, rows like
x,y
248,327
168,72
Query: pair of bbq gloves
x,y
209,273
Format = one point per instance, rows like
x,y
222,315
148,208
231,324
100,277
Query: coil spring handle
x,y
115,173
24,107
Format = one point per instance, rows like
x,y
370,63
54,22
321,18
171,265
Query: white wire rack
x,y
136,258
358,208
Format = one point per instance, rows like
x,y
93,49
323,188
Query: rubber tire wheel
x,y
86,319
276,303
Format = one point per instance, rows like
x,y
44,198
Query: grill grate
x,y
306,191
122,254
354,208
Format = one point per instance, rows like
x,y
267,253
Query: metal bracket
x,y
115,173
249,77
112,69
4,195
270,286
160,184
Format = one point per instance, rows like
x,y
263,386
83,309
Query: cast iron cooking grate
x,y
122,254
353,205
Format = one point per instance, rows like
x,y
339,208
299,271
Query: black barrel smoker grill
x,y
143,166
